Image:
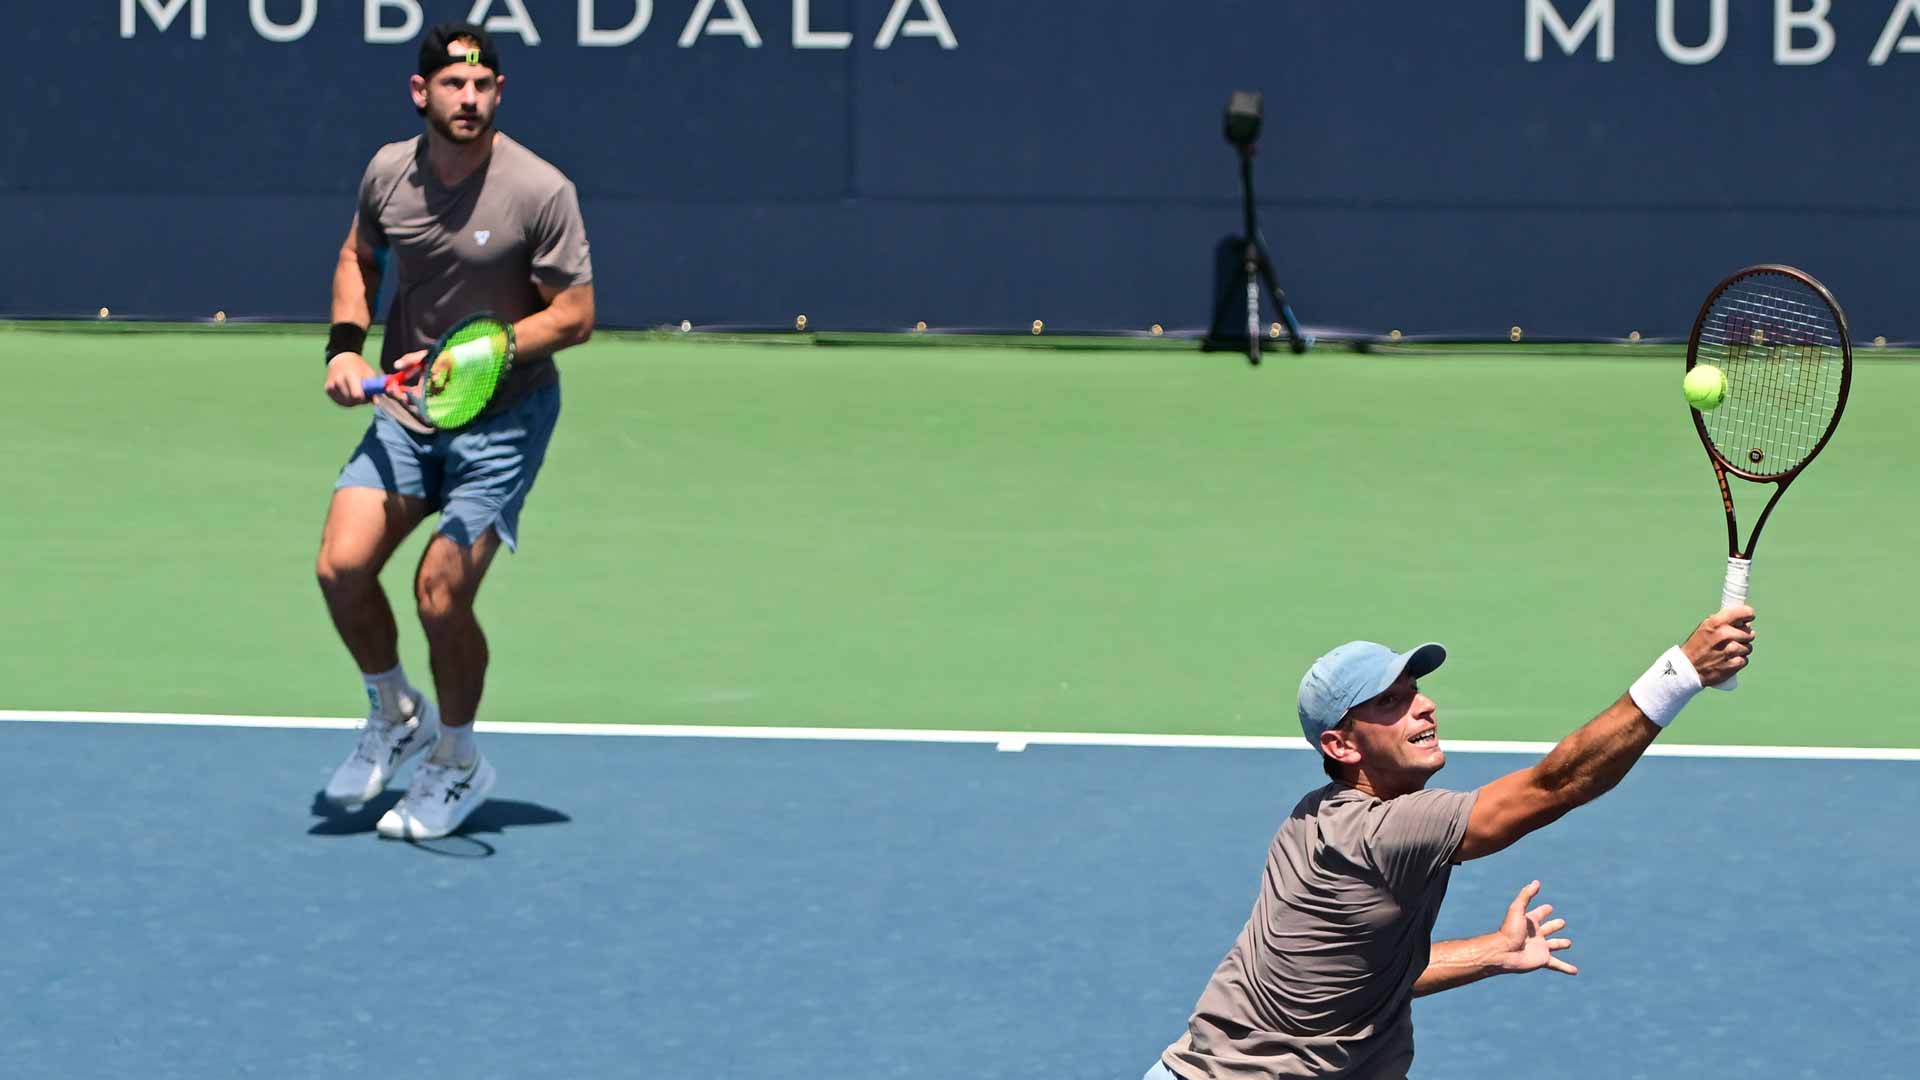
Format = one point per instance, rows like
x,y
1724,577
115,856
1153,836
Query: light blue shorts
x,y
476,478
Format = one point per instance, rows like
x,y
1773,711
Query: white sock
x,y
384,691
455,746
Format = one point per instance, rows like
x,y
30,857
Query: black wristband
x,y
345,337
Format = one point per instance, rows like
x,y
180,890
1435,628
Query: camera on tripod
x,y
1241,263
1243,119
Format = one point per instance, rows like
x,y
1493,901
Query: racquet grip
x,y
373,384
1733,593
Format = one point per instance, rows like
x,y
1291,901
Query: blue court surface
x,y
172,905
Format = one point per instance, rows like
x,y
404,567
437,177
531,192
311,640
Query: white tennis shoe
x,y
438,799
381,750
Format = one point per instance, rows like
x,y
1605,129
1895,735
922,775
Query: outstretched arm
x,y
1523,943
1588,763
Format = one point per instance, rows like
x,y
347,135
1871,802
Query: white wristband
x,y
1666,687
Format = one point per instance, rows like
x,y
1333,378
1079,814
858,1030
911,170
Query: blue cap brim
x,y
1419,662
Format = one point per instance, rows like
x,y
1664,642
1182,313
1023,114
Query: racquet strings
x,y
1781,347
480,353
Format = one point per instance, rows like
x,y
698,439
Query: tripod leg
x,y
1297,339
1253,304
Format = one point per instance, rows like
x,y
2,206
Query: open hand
x,y
1526,939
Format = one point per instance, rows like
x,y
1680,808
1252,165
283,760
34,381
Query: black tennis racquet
x,y
1781,340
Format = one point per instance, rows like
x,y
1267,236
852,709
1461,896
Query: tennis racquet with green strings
x,y
456,379
1781,340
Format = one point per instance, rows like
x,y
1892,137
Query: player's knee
x,y
340,577
439,603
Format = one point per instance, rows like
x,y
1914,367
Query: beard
x,y
444,125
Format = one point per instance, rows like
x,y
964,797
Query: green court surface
x,y
979,537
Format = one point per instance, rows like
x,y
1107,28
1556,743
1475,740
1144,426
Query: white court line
x,y
1010,741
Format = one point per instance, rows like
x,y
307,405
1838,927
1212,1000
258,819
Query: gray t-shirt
x,y
1320,982
477,246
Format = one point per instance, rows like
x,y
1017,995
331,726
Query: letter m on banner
x,y
163,12
1543,19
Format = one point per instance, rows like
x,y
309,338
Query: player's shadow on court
x,y
494,816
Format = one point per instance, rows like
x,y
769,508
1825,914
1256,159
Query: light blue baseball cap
x,y
1353,673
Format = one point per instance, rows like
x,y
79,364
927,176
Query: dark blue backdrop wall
x,y
1580,167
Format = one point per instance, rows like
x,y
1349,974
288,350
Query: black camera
x,y
1243,117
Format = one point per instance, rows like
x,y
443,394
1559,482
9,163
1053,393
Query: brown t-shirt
x,y
480,245
1320,982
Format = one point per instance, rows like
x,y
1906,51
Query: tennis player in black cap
x,y
468,220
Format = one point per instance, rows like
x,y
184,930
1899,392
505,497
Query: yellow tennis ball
x,y
1705,387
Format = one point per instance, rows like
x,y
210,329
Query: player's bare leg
x,y
445,589
456,778
364,526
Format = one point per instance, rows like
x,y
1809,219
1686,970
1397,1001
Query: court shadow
x,y
494,816
335,821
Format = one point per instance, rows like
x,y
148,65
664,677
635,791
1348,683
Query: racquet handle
x,y
373,384
1733,593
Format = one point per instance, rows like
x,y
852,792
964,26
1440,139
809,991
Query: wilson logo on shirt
x,y
481,236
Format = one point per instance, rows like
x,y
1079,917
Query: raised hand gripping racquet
x,y
457,378
1781,340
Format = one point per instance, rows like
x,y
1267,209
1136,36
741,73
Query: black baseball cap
x,y
435,54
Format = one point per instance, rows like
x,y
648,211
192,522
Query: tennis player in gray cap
x,y
1322,979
